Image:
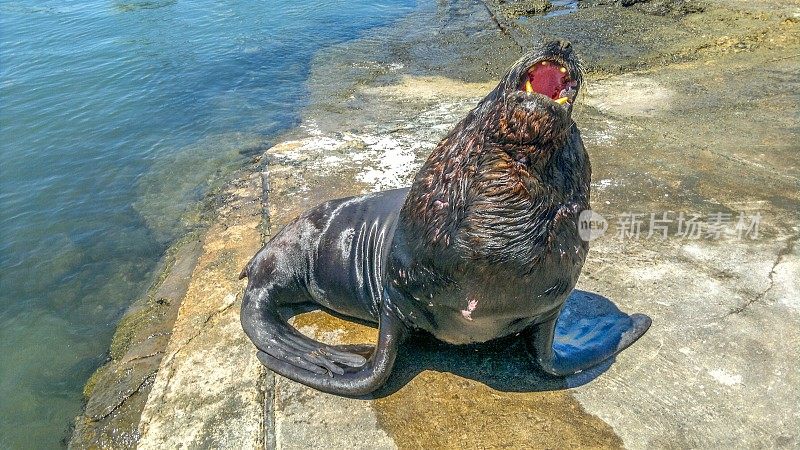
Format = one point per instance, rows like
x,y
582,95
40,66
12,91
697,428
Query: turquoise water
x,y
116,117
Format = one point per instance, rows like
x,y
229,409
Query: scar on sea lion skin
x,y
484,244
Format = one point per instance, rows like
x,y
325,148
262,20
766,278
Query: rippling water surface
x,y
116,117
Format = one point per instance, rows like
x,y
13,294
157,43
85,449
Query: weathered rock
x,y
655,7
513,9
209,388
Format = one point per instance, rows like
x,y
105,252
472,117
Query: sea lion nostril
x,y
565,45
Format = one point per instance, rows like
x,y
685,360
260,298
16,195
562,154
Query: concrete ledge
x,y
209,387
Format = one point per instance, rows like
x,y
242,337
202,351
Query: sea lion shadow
x,y
505,364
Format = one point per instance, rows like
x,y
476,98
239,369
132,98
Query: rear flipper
x,y
589,330
364,350
352,381
349,370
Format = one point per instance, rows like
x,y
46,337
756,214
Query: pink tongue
x,y
546,80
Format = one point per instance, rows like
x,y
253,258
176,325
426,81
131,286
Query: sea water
x,y
115,118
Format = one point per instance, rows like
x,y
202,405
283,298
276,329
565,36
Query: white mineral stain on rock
x,y
431,88
600,136
651,273
227,301
785,278
384,156
395,163
694,250
724,377
602,184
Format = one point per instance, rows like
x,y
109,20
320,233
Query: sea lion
x,y
484,244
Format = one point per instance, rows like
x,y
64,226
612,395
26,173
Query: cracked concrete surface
x,y
786,251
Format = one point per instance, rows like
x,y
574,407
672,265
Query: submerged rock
x,y
116,393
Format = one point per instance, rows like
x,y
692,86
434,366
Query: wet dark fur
x,y
492,216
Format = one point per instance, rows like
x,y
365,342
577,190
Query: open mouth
x,y
551,79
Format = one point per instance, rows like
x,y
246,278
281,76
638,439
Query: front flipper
x,y
589,330
350,380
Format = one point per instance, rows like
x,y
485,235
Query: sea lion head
x,y
533,102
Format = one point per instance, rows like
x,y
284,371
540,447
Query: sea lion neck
x,y
468,183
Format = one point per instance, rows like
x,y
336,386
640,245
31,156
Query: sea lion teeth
x,y
562,100
569,93
528,87
563,70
